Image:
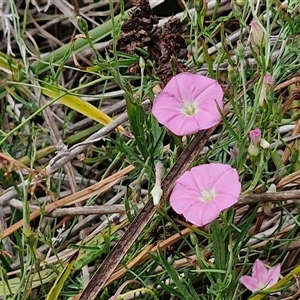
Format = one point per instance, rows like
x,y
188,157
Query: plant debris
x,y
165,45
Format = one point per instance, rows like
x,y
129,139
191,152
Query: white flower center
x,y
208,196
189,108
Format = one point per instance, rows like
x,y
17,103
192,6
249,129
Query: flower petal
x,y
183,125
273,275
202,213
260,272
224,201
228,180
250,283
208,90
182,85
181,201
165,107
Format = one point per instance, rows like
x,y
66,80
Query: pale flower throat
x,y
189,108
208,196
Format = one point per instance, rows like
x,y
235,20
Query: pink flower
x,y
203,192
189,103
262,278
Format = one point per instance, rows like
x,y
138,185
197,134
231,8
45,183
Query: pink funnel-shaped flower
x,y
262,278
203,192
189,103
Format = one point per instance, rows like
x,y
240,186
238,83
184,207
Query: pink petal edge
x,y
250,283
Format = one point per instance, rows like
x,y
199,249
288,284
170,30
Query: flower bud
x,y
268,80
255,138
194,239
264,144
142,63
82,24
231,74
198,5
272,188
236,9
234,152
157,192
257,33
240,49
241,3
267,85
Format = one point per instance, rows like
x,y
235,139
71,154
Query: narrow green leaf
x,y
175,277
192,289
219,246
61,279
137,117
158,134
243,236
171,290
